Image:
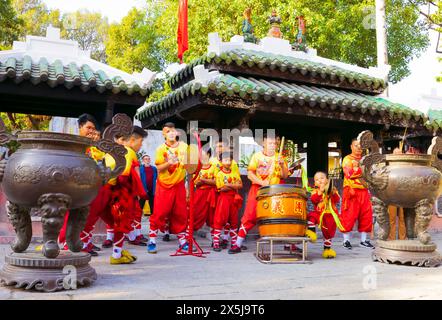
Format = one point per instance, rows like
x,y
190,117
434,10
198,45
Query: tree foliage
x,y
10,24
89,29
341,30
134,43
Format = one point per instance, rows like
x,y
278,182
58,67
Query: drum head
x,y
281,188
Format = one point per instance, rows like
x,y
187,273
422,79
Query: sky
x,y
115,10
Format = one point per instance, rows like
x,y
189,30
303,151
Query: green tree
x,y
341,30
36,17
134,44
89,29
10,24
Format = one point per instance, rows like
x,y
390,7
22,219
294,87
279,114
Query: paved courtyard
x,y
352,275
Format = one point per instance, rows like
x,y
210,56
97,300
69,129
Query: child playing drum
x,y
324,198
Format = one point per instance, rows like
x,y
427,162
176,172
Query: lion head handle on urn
x,y
121,126
374,174
435,149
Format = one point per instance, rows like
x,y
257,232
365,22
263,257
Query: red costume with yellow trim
x,y
170,194
264,167
228,204
326,217
356,204
235,169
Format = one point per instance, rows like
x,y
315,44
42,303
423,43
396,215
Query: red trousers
x,y
328,223
248,220
138,215
226,210
99,208
356,206
170,205
204,203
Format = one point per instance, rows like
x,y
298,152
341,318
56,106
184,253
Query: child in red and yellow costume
x,y
204,199
229,202
265,168
356,204
221,147
126,193
325,214
170,194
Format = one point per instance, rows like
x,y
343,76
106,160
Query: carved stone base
x,y
31,270
407,252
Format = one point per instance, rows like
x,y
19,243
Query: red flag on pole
x,y
182,37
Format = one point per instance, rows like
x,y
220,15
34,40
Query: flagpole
x,y
381,36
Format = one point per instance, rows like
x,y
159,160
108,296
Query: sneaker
x,y
126,253
121,260
224,244
107,243
234,250
185,247
366,244
90,251
152,248
243,247
91,246
217,249
347,245
166,237
138,242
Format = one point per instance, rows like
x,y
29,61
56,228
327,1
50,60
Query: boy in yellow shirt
x,y
229,201
170,194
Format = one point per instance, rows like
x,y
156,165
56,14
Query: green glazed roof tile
x,y
253,88
70,75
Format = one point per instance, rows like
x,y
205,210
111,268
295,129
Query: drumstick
x,y
281,146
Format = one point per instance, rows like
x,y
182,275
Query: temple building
x,y
53,76
318,103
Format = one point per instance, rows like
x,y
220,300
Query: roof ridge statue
x,y
247,27
275,22
300,42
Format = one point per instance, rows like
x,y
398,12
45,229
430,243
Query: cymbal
x,y
297,162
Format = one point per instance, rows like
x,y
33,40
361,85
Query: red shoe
x,y
107,243
90,251
234,249
137,242
292,248
224,244
142,238
65,247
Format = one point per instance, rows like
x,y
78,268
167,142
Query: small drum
x,y
281,211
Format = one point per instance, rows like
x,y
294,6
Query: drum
x,y
281,211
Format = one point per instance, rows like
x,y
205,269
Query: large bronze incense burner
x,y
51,174
410,181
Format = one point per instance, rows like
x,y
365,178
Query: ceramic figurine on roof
x,y
301,42
275,22
247,27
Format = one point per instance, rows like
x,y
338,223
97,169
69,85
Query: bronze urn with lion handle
x,y
51,174
410,181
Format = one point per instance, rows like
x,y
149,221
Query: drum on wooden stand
x,y
281,211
